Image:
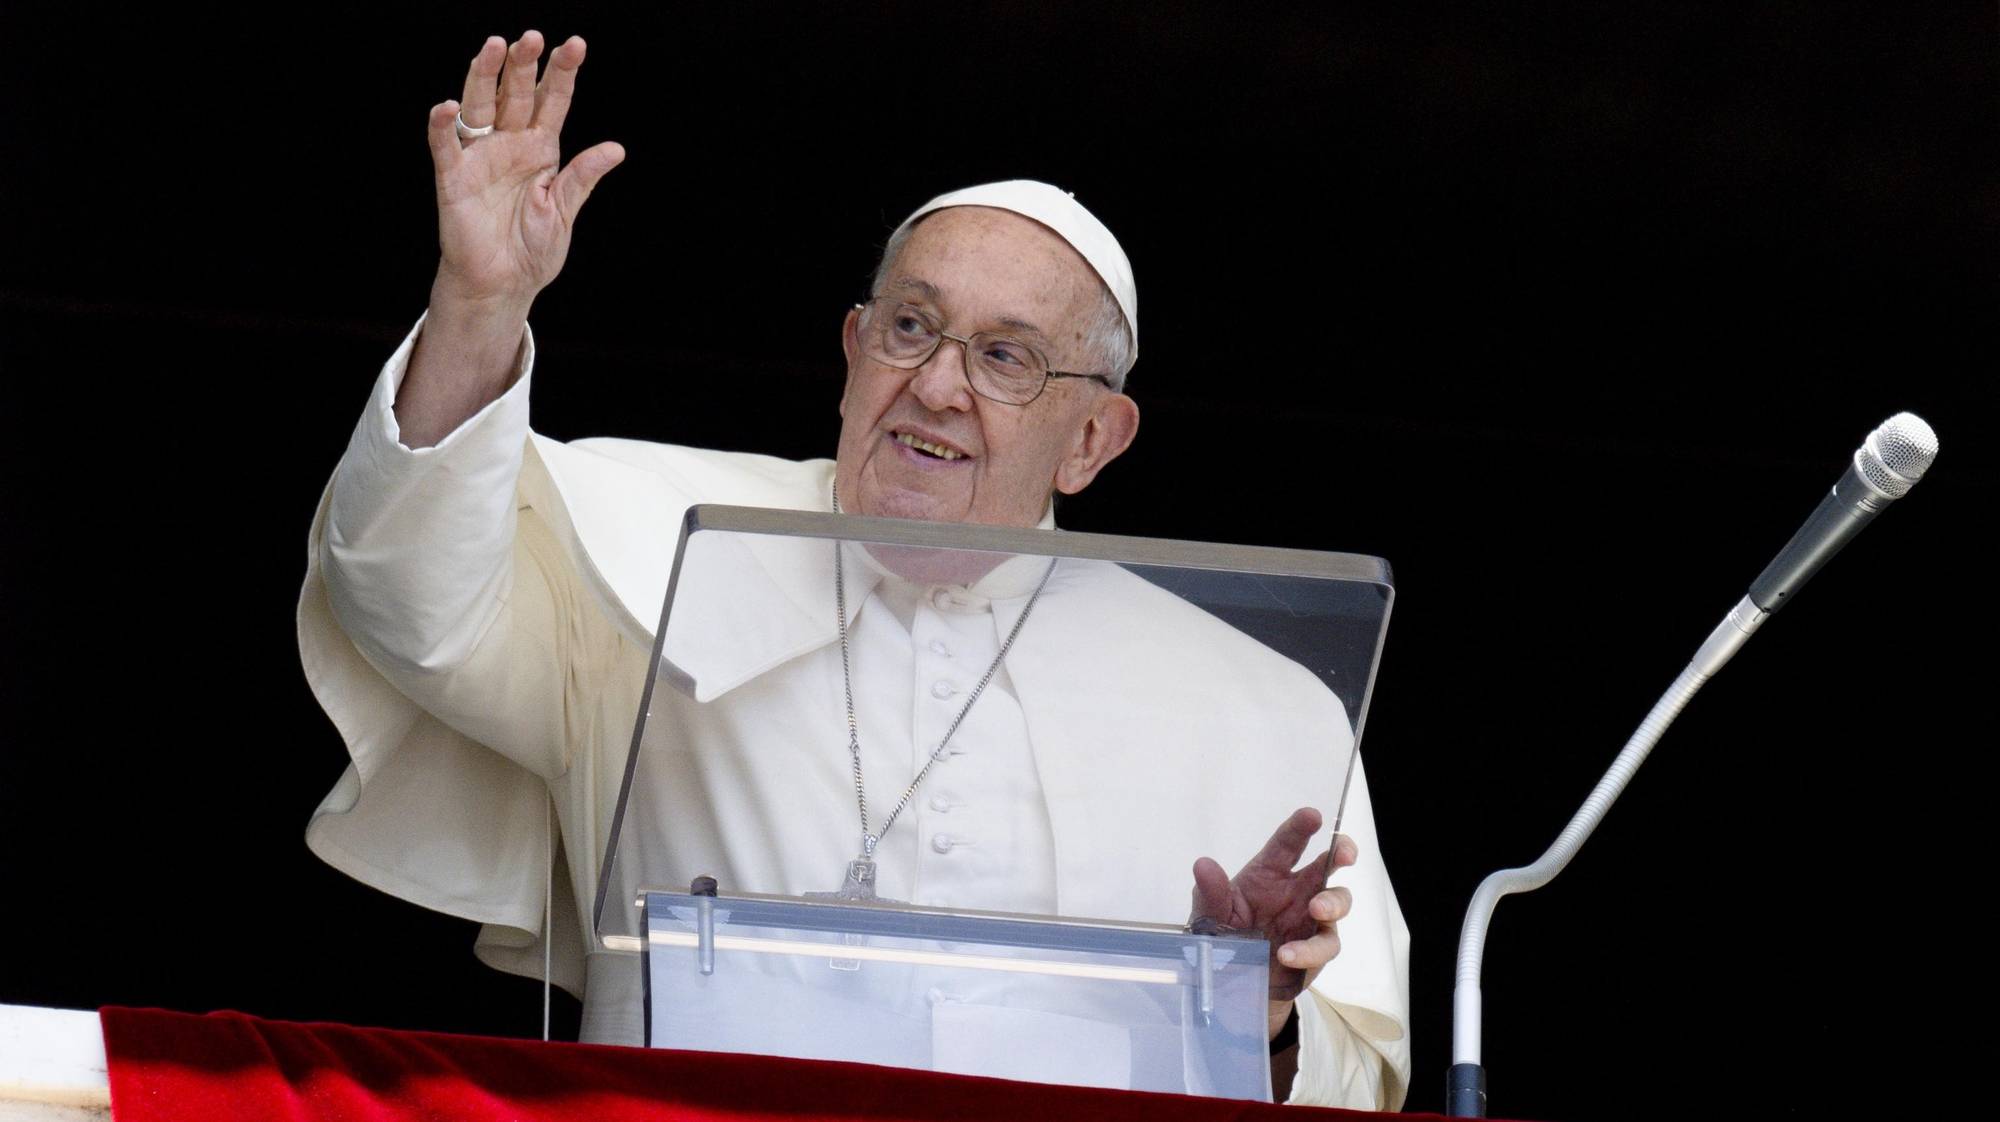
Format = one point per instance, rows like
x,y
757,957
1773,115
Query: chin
x,y
917,505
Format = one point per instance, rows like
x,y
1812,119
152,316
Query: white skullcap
x,y
1059,211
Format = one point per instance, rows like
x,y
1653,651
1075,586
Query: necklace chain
x,y
870,839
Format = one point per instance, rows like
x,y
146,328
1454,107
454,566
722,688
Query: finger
x,y
1281,853
517,82
558,85
477,102
1331,906
1211,890
1313,953
446,151
1345,852
577,180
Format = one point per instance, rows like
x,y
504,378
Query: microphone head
x,y
1896,455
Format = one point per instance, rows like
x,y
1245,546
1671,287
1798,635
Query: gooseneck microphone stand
x,y
1886,466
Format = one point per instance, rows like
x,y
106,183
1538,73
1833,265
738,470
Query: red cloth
x,y
169,1067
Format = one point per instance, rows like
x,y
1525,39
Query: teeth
x,y
937,450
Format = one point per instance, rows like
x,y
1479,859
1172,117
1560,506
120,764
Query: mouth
x,y
928,448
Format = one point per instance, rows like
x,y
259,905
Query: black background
x,y
1572,311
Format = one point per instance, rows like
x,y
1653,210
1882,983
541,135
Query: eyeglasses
x,y
997,368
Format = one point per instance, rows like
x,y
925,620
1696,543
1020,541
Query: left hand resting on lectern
x,y
1291,906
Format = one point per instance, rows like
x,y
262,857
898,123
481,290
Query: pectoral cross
x,y
860,882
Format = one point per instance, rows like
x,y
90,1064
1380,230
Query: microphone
x,y
1885,467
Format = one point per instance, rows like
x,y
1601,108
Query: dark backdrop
x,y
1571,311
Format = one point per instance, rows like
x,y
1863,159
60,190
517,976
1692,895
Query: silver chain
x,y
868,839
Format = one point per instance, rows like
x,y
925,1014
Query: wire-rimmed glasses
x,y
997,368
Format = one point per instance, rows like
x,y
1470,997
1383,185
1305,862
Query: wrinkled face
x,y
979,269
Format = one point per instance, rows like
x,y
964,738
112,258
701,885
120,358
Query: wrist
x,y
468,353
457,306
1279,1014
1283,1030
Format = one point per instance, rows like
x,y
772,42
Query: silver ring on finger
x,y
466,133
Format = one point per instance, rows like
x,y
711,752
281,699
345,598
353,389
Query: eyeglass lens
x,y
906,336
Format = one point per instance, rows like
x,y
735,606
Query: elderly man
x,y
467,621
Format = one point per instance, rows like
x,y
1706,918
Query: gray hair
x,y
1107,341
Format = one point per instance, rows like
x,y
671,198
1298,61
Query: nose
x,y
941,382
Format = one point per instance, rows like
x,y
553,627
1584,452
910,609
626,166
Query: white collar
x,y
745,604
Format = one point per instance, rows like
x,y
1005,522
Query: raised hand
x,y
506,207
505,211
1292,906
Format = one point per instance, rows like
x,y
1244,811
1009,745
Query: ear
x,y
1106,432
850,345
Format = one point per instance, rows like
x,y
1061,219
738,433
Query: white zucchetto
x,y
1059,211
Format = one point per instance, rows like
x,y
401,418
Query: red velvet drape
x,y
176,1067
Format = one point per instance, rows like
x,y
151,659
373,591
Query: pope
x,y
984,375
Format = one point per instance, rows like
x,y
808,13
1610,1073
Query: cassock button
x,y
941,804
939,649
942,689
945,843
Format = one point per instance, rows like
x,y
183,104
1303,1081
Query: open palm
x,y
506,205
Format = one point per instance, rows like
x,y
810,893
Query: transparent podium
x,y
930,795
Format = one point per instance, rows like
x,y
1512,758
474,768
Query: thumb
x,y
446,151
577,180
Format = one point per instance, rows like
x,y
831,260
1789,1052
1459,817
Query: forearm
x,y
468,354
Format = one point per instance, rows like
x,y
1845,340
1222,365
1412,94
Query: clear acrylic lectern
x,y
929,795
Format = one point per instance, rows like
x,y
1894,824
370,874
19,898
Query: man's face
x,y
979,269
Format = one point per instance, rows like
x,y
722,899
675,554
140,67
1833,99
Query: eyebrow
x,y
932,293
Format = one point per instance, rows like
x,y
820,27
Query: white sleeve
x,y
1340,1067
436,576
417,540
440,623
460,636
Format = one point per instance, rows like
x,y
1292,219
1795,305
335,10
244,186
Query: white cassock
x,y
477,619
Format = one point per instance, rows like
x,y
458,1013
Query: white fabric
x,y
1059,211
476,621
977,834
746,776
